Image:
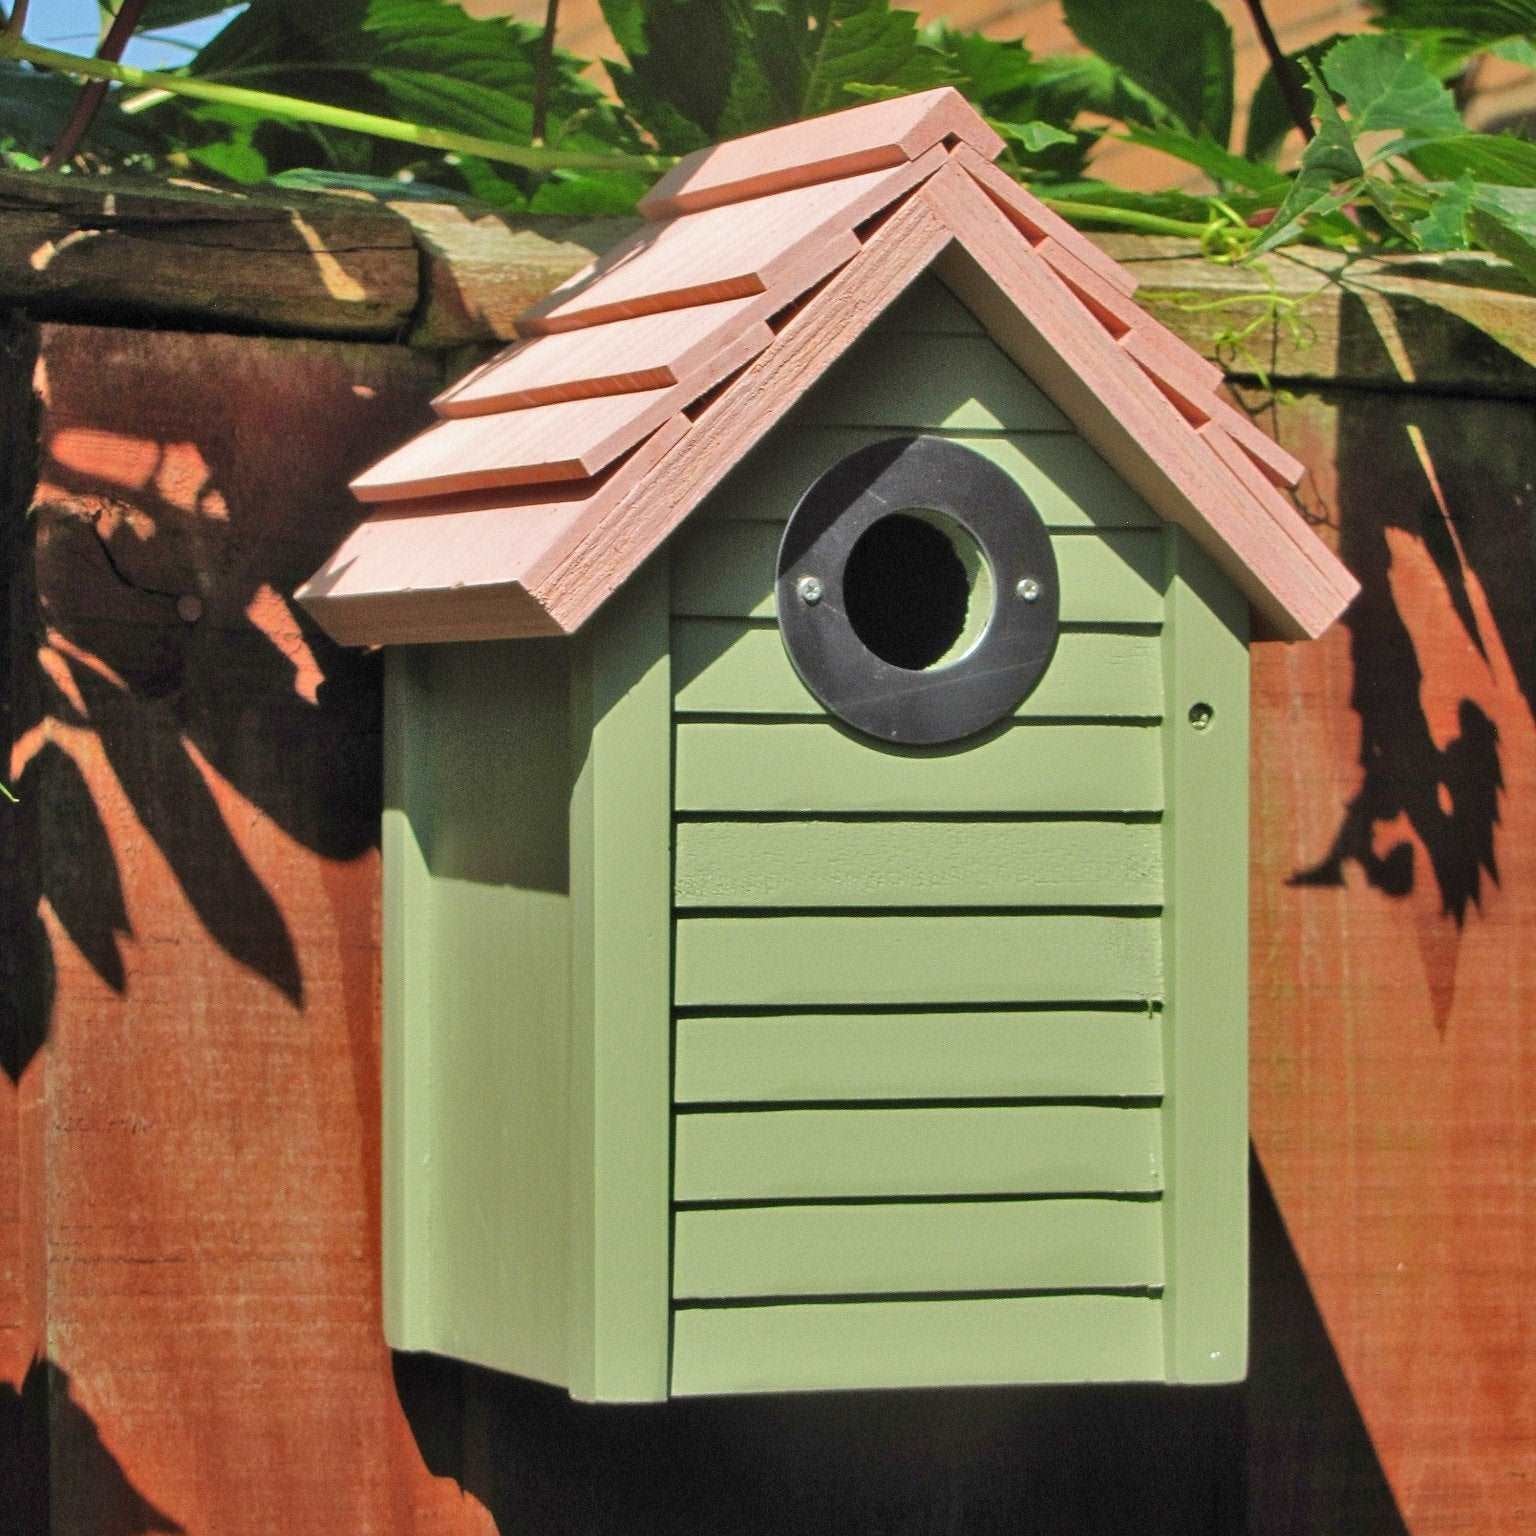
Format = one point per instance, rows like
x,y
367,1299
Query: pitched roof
x,y
558,466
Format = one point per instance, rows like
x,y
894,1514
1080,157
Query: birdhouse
x,y
815,841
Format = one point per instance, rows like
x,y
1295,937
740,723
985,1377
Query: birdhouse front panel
x,y
816,798
925,1030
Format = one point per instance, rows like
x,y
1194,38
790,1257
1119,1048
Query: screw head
x,y
1028,589
1201,715
810,589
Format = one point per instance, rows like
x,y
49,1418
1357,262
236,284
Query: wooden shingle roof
x,y
558,466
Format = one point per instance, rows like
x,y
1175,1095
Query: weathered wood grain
x,y
106,248
1458,322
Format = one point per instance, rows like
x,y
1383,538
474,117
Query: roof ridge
x,y
872,136
1134,391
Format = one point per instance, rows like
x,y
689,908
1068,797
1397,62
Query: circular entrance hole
x,y
917,590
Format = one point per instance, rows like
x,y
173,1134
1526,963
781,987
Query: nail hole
x,y
1201,715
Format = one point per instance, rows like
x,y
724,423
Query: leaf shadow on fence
x,y
163,688
1435,519
43,1427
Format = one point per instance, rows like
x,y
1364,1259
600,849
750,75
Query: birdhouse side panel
x,y
477,933
920,1034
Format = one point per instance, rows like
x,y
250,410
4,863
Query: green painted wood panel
x,y
929,306
1206,944
1070,485
891,1249
789,1348
954,1055
740,666
918,864
816,766
726,570
406,1110
803,1154
879,959
621,1005
892,379
477,929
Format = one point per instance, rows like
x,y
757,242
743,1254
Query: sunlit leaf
x,y
1035,136
1179,51
1503,219
1387,86
1444,226
1491,157
1330,175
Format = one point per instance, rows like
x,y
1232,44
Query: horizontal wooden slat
x,y
790,1057
1070,485
916,1344
892,379
877,960
797,1154
814,766
737,666
726,570
918,864
854,1250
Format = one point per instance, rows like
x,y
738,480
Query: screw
x,y
1028,589
809,588
1201,715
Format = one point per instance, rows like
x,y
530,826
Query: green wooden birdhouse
x,y
815,845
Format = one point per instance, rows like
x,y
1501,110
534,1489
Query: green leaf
x,y
1330,174
1464,24
1387,85
1269,117
1033,137
424,61
1444,226
237,159
590,193
1516,50
1178,51
626,20
1491,157
994,75
865,42
1503,220
1218,163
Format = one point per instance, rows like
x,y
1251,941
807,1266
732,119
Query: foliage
x,y
1390,165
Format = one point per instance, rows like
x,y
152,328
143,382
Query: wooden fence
x,y
189,1325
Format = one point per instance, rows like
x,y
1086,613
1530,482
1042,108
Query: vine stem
x,y
545,69
91,96
325,115
1286,75
1126,218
